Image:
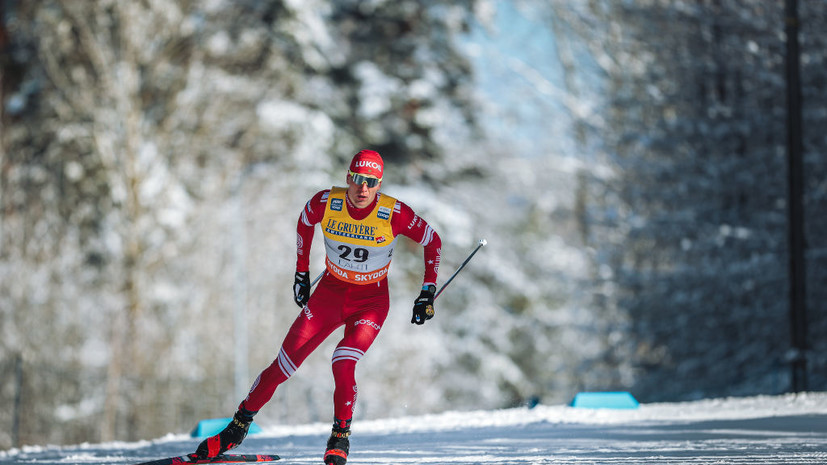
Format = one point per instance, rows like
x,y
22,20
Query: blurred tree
x,y
693,226
131,134
154,156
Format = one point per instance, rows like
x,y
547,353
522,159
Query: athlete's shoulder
x,y
314,208
319,198
403,215
402,207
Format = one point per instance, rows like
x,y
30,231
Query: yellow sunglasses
x,y
362,179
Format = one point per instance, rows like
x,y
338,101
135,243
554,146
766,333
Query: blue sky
x,y
519,77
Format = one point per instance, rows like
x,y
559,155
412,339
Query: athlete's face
x,y
361,195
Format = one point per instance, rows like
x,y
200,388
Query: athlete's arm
x,y
312,214
404,221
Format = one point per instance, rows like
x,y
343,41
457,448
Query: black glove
x,y
301,288
423,308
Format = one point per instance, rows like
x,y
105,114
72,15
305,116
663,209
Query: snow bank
x,y
731,408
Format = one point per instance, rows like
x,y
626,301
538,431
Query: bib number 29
x,y
357,254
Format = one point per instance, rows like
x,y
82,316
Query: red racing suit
x,y
353,291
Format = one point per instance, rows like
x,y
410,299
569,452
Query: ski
x,y
193,459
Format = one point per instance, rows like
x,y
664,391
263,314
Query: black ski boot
x,y
230,438
338,445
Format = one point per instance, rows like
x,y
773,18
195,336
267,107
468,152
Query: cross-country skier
x,y
360,226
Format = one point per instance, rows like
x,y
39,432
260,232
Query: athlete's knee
x,y
285,364
347,354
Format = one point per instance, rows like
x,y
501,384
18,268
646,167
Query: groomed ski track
x,y
790,429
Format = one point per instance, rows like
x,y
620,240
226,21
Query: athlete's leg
x,y
320,317
361,330
365,312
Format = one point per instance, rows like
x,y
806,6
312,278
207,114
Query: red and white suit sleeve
x,y
404,221
312,214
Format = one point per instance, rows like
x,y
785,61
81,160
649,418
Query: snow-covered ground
x,y
789,429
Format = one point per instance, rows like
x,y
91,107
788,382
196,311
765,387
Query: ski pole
x,y
317,279
481,243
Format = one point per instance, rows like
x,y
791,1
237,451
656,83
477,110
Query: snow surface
x,y
788,429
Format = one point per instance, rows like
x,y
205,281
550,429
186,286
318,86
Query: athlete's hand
x,y
301,288
423,308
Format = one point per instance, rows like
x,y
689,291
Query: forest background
x,y
626,161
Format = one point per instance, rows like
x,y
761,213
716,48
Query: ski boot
x,y
338,445
230,438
